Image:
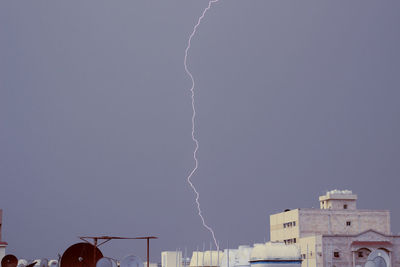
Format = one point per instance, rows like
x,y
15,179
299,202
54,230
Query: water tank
x,y
273,254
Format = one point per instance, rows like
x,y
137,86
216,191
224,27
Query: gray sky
x,y
293,98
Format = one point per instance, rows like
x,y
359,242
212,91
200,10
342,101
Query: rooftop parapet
x,y
339,195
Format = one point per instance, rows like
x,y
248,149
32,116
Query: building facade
x,y
338,234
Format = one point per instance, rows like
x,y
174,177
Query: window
x,y
303,256
294,240
360,254
345,206
336,254
294,223
348,223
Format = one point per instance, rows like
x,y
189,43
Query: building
x,y
171,259
239,257
338,234
3,244
260,255
208,258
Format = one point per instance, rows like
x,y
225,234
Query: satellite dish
x,y
22,263
53,263
81,255
106,262
9,261
131,261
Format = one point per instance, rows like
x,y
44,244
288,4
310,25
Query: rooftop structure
x,y
338,199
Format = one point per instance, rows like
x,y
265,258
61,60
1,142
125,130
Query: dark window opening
x,y
360,254
336,254
345,206
348,223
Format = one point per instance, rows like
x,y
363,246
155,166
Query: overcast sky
x,y
293,97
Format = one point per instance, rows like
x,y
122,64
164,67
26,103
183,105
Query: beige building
x,y
208,258
338,234
171,259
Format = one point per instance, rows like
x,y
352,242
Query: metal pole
x,y
197,257
316,258
95,251
148,252
184,262
227,247
210,255
204,247
218,255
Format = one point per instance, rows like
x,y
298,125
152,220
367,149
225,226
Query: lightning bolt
x,y
193,121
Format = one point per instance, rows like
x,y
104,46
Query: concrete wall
x,y
319,222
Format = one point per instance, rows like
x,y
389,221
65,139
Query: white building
x,y
260,255
338,234
208,258
239,257
171,259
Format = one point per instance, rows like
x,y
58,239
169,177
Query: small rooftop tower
x,y
338,200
